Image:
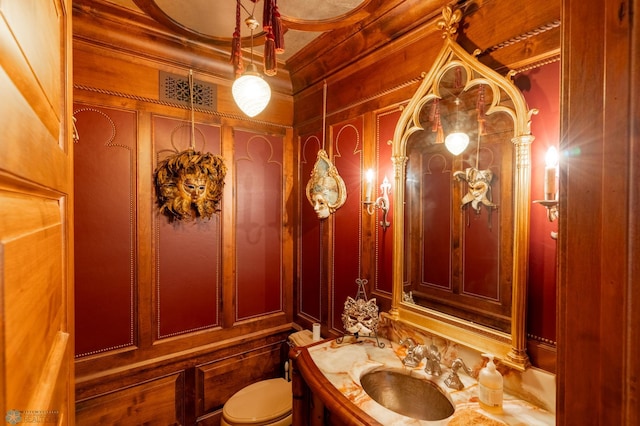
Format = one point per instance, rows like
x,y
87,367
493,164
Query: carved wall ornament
x,y
326,190
189,185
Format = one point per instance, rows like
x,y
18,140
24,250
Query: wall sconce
x,y
550,201
382,202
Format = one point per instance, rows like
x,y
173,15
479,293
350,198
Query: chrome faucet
x,y
432,356
453,380
415,354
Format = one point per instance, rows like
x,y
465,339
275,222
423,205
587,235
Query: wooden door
x,y
599,225
36,202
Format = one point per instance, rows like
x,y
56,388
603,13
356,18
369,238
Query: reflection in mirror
x,y
460,252
453,233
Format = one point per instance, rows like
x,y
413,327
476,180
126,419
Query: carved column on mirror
x,y
399,168
522,201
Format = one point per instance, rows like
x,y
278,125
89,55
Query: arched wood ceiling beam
x,y
351,18
154,11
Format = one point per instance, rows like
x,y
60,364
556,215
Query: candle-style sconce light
x,y
382,202
550,201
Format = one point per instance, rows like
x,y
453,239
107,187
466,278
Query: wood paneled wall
x,y
169,341
173,317
363,100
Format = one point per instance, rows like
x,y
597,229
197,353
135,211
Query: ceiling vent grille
x,y
175,89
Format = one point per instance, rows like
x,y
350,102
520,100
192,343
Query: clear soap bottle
x,y
490,387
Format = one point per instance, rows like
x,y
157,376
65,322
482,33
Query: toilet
x,y
267,402
264,403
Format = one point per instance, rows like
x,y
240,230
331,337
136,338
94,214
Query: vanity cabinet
x,y
317,402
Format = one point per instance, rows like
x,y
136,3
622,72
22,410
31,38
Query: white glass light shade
x,y
251,93
456,142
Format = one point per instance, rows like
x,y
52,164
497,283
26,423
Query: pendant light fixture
x,y
250,91
457,141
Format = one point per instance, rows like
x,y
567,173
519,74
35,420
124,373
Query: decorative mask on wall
x,y
189,185
479,182
326,190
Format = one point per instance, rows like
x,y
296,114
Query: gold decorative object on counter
x,y
360,315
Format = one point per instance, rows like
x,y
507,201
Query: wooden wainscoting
x,y
181,391
158,401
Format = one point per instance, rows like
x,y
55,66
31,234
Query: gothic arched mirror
x,y
461,246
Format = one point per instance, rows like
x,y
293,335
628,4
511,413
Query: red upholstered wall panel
x,y
481,233
436,221
104,175
541,88
386,124
259,213
188,254
347,221
311,227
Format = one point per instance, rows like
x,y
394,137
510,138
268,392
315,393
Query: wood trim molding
x,y
342,410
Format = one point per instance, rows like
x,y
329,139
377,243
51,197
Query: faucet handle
x,y
408,342
453,380
410,360
459,362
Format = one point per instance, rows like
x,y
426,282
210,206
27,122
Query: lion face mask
x,y
189,185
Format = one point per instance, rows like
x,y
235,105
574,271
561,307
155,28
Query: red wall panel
x,y
347,220
541,88
436,221
311,227
481,233
188,254
259,213
386,124
104,175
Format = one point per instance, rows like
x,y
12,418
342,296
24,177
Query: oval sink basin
x,y
410,396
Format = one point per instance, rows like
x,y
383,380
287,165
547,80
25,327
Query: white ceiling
x,y
217,18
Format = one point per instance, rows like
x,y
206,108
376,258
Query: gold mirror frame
x,y
510,348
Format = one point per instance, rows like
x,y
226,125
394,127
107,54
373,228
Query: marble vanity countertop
x,y
344,363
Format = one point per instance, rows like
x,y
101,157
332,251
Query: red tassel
x,y
278,31
480,108
440,135
270,63
267,15
236,55
434,115
236,45
458,78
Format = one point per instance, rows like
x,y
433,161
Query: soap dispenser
x,y
490,387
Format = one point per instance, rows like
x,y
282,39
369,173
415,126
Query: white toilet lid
x,y
259,402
